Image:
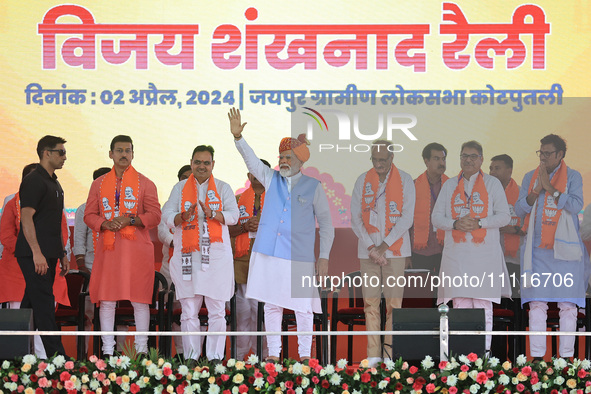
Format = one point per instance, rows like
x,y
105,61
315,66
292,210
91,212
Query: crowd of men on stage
x,y
258,244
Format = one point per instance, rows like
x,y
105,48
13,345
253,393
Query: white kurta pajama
x,y
483,262
270,278
216,284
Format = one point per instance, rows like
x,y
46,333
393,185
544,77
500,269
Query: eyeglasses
x,y
379,161
61,152
121,151
541,153
199,162
471,157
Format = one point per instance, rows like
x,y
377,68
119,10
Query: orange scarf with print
x,y
190,229
477,204
422,220
512,240
550,213
246,199
129,191
393,201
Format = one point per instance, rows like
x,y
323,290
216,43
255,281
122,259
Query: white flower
x,y
389,364
299,390
5,364
125,386
124,362
183,370
559,363
587,389
474,388
356,376
537,386
158,375
545,385
253,359
279,368
335,379
427,363
59,361
329,369
356,392
478,362
305,382
94,384
464,359
29,359
573,391
213,389
382,385
235,390
504,380
204,374
521,360
322,372
158,389
258,382
50,369
514,381
559,380
152,369
13,386
189,390
473,374
493,362
342,363
25,379
452,380
489,384
585,364
219,369
231,362
113,361
297,369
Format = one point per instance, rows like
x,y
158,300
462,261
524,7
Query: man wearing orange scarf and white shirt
x,y
122,206
382,208
427,241
200,209
556,191
501,167
470,209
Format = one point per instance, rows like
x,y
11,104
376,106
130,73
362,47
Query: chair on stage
x,y
75,314
174,315
158,322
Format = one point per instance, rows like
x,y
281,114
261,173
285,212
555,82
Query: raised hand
x,y
236,125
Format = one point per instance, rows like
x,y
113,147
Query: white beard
x,y
285,171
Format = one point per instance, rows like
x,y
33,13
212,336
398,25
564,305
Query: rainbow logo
x,y
316,118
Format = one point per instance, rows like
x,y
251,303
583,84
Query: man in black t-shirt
x,y
39,244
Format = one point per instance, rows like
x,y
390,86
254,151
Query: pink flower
x,y
101,365
20,388
472,357
481,378
588,383
526,370
69,385
315,379
442,364
464,368
453,390
243,388
65,376
43,382
93,359
166,371
225,377
490,373
119,380
582,373
430,388
69,365
413,370
101,376
14,377
258,374
42,365
134,388
270,379
520,387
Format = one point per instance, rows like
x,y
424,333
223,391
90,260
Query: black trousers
x,y
39,297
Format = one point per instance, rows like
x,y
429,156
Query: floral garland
x,y
468,375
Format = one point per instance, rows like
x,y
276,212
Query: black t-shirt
x,y
43,193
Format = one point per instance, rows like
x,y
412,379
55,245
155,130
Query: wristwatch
x,y
556,194
480,223
132,220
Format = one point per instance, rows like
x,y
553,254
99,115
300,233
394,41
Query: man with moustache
x,y
470,209
122,206
549,192
250,205
39,244
384,242
200,209
283,252
427,241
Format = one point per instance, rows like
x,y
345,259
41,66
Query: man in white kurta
x,y
473,272
213,282
275,277
382,253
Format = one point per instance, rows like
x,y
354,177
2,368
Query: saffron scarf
x,y
190,228
246,200
393,201
422,219
512,240
125,198
477,203
550,213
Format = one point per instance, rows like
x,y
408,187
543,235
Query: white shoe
x,y
374,361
